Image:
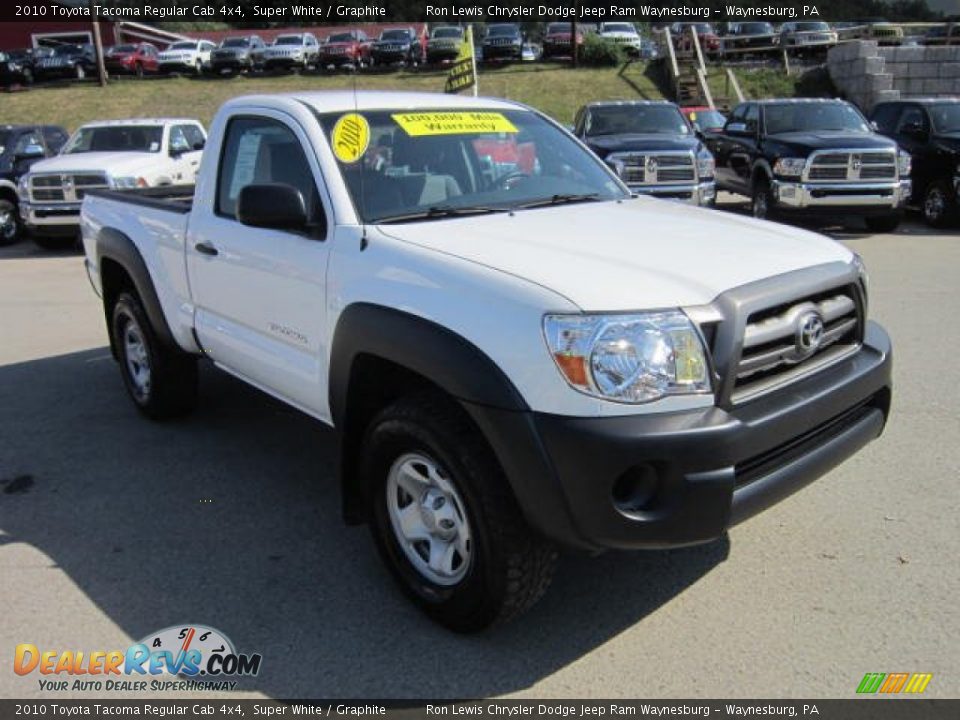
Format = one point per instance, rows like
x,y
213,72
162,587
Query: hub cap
x,y
760,205
934,205
137,359
8,224
428,519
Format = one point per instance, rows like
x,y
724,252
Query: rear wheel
x,y
938,208
883,223
161,381
444,518
761,204
10,229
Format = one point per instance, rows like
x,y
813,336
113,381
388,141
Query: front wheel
x,y
883,223
161,381
444,519
761,204
937,205
10,229
79,72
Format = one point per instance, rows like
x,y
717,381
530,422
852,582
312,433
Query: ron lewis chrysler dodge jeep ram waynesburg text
x,y
515,358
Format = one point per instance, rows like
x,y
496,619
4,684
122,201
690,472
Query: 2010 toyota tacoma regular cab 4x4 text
x,y
514,359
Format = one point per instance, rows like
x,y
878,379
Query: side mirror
x,y
272,205
30,152
874,126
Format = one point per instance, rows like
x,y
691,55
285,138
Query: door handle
x,y
206,249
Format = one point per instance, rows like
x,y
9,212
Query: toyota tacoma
x,y
513,360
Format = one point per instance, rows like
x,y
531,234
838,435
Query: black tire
x,y
27,76
883,223
138,70
10,228
761,203
939,206
171,388
509,567
79,72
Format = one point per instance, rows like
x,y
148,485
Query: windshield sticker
x,y
350,138
453,123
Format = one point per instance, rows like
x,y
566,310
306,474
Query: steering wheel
x,y
502,183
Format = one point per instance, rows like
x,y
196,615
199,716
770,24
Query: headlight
x,y
904,163
23,187
705,164
125,183
789,167
629,358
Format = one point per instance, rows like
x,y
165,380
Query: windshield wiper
x,y
439,211
559,199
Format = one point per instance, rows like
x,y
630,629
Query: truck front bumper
x,y
50,219
882,196
703,470
703,193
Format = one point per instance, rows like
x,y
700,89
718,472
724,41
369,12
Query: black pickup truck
x,y
930,131
651,146
812,157
20,147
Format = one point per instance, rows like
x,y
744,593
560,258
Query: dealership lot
x,y
112,527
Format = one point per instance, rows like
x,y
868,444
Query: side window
x,y
194,136
738,114
26,140
178,140
912,116
260,150
55,138
752,118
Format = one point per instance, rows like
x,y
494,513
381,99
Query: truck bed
x,y
173,198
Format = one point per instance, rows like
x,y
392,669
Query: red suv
x,y
132,59
346,48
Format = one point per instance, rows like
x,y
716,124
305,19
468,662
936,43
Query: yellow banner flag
x,y
463,72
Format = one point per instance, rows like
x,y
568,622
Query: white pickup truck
x,y
115,154
515,357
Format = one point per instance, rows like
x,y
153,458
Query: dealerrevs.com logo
x,y
182,657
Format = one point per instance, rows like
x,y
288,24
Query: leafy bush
x,y
599,52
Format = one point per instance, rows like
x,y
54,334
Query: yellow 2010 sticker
x,y
350,137
453,123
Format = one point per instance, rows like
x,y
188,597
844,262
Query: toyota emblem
x,y
809,333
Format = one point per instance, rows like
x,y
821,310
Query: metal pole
x,y
574,48
98,52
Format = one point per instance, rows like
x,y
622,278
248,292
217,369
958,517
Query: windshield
x,y
812,117
124,48
945,117
183,46
755,29
447,32
557,28
502,31
636,119
341,37
620,27
120,138
708,119
811,27
63,50
394,35
449,162
288,40
235,43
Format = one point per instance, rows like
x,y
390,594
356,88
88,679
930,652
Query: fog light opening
x,y
636,490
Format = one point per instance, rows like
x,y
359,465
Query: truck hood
x,y
113,163
638,254
823,140
603,145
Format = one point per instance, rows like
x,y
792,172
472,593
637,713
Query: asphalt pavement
x,y
112,527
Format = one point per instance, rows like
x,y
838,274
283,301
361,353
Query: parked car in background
x,y
186,56
444,44
532,52
704,119
503,41
883,31
815,157
397,46
290,52
556,40
351,49
511,364
236,55
16,67
624,34
706,36
945,34
649,49
20,147
651,147
119,154
138,59
804,36
67,61
930,131
745,38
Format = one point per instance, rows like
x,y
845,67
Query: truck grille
x,y
852,166
65,188
784,342
655,169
